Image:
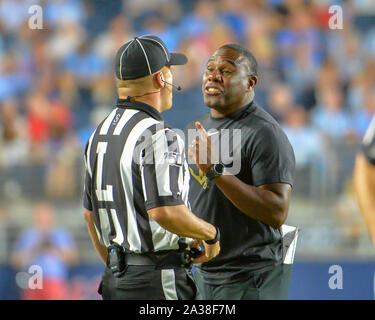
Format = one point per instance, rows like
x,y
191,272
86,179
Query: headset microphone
x,y
173,85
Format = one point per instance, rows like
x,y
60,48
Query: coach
x,y
137,183
248,206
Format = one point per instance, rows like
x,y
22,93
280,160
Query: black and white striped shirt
x,y
134,163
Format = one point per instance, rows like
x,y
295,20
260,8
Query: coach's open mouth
x,y
212,91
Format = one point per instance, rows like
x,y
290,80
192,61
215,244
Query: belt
x,y
172,258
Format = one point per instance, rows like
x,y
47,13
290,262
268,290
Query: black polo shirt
x,y
267,157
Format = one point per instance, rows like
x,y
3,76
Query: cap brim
x,y
177,59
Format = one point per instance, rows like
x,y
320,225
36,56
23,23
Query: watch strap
x,y
216,239
213,173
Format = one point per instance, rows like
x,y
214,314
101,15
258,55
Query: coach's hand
x,y
210,251
202,150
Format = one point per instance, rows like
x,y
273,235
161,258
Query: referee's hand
x,y
210,251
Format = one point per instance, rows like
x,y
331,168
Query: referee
x,y
137,184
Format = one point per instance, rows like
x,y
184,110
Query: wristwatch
x,y
216,171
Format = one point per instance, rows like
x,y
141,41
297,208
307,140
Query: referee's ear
x,y
159,78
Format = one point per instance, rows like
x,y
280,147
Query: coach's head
x,y
143,71
229,79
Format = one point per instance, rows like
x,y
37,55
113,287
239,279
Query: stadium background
x,y
58,82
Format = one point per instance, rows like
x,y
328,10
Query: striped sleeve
x,y
87,203
162,170
87,186
368,143
87,191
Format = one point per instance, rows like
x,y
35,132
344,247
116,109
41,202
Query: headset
x,y
173,85
162,79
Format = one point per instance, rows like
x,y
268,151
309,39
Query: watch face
x,y
219,168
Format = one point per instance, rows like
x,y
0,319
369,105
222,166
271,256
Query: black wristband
x,y
216,239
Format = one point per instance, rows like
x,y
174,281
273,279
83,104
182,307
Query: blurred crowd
x,y
49,247
57,83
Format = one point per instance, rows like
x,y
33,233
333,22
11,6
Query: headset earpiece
x,y
162,80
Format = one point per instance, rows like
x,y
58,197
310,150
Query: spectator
x,y
13,141
235,14
154,24
12,81
107,44
50,248
61,177
62,152
359,85
62,12
201,20
280,100
306,140
37,125
66,41
301,72
330,116
344,48
14,13
300,33
363,117
85,65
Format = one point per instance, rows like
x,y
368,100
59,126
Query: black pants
x,y
270,284
149,283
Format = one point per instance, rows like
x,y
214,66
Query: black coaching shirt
x,y
265,157
134,163
368,142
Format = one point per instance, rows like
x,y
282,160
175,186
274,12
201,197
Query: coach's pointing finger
x,y
202,131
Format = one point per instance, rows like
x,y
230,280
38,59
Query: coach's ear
x,y
252,82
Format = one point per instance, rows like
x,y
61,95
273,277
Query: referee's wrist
x,y
216,239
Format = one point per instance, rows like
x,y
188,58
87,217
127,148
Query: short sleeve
x,y
87,203
162,170
271,157
87,191
368,143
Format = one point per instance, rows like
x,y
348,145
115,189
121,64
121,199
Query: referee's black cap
x,y
142,56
